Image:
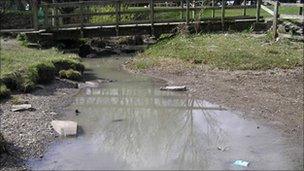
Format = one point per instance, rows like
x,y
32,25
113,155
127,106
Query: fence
x,y
275,12
121,12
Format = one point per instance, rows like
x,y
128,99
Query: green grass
x,y
22,68
233,52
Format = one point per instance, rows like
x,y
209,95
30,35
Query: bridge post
x,y
182,10
213,10
35,14
245,10
187,12
258,10
46,17
152,16
81,18
117,14
223,15
275,19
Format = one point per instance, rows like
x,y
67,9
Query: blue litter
x,y
241,163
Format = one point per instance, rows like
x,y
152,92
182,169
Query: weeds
x,y
238,51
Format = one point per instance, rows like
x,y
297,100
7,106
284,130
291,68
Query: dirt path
x,y
273,97
28,133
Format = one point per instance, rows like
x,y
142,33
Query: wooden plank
x,y
292,4
269,11
292,17
301,38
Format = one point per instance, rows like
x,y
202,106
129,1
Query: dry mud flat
x,y
29,132
274,97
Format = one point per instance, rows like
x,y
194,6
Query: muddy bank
x,y
274,97
28,133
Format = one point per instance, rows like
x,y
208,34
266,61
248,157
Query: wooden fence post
x,y
245,10
223,14
117,13
46,17
81,19
213,10
275,19
152,16
35,14
182,10
258,10
187,12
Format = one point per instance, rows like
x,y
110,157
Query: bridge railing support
x,y
223,14
117,15
35,14
152,16
258,10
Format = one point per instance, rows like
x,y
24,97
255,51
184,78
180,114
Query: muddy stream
x,y
130,124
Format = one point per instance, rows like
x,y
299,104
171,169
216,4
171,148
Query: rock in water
x,y
174,88
21,107
66,128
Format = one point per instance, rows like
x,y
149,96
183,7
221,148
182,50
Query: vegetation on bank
x,y
239,51
22,68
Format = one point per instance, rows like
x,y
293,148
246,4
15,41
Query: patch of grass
x,y
70,74
239,51
22,68
4,91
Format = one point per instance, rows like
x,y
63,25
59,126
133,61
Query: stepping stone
x,y
66,128
21,107
174,88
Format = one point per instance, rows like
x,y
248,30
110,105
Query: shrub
x,y
65,64
11,80
4,92
45,72
70,74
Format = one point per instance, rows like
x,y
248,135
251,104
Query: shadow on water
x,y
130,124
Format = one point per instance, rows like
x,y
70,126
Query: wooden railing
x,y
188,13
275,12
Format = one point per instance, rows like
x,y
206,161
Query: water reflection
x,y
130,124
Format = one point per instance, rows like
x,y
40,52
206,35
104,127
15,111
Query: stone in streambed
x,y
21,107
66,128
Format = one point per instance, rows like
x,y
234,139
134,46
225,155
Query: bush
x,y
65,64
45,72
11,80
4,92
70,74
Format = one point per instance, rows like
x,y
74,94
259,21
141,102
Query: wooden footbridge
x,y
138,17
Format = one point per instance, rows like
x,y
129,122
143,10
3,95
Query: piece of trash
x,y
222,148
21,107
117,120
65,128
241,163
174,88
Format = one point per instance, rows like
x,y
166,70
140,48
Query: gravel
x,y
29,132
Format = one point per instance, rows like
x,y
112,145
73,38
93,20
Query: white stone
x,y
66,128
174,88
21,107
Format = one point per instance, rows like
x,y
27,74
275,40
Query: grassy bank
x,y
241,51
22,68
